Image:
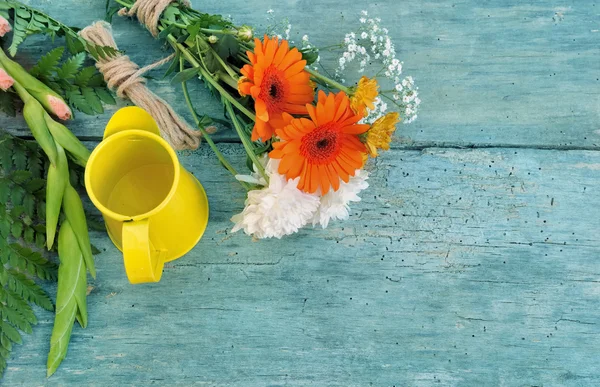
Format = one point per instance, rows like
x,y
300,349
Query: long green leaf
x,y
70,296
73,209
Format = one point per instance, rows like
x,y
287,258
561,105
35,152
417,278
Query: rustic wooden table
x,y
474,258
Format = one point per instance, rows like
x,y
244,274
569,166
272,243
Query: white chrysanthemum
x,y
277,210
336,204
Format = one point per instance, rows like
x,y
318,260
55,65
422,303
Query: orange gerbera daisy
x,y
324,148
277,81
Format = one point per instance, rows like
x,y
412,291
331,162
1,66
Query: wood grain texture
x,y
459,268
495,73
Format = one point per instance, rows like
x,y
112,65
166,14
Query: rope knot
x,y
148,12
125,77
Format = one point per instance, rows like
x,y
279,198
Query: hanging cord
x,y
124,76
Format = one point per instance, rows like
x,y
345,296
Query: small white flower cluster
x,y
280,28
280,208
372,42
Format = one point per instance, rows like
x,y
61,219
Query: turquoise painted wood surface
x,y
471,261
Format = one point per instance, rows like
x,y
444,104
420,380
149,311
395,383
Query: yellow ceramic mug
x,y
155,211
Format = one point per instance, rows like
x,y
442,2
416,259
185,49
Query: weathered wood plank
x,y
460,267
499,73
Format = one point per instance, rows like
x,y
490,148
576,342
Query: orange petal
x,y
333,177
340,171
329,109
341,108
294,109
255,91
275,153
251,56
296,168
270,48
290,58
312,112
314,179
323,179
281,51
261,110
295,68
301,78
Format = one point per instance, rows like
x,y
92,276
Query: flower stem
x,y
205,134
245,141
223,32
209,78
227,79
317,75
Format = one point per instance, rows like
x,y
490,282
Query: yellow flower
x,y
364,96
242,80
380,134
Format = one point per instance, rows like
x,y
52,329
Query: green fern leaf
x,y
20,160
28,289
19,30
16,229
92,99
71,66
4,192
105,95
96,80
74,45
14,301
7,103
79,102
15,318
48,63
36,263
84,76
10,332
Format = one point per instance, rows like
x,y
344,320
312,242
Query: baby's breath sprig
x,y
370,43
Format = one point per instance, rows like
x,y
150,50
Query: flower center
x,y
322,145
273,89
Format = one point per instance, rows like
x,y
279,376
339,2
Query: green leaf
x,y
310,55
34,185
36,264
10,332
85,75
227,46
173,66
70,296
28,289
20,176
71,66
74,45
185,75
16,229
92,100
47,63
7,103
79,102
105,95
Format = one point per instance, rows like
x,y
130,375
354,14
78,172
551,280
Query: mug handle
x,y
142,262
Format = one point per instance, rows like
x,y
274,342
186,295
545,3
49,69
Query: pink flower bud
x,y
5,27
6,81
59,107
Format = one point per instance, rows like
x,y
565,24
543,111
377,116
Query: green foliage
x,y
29,21
7,103
22,240
83,87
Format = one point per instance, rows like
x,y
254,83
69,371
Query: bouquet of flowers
x,y
308,136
